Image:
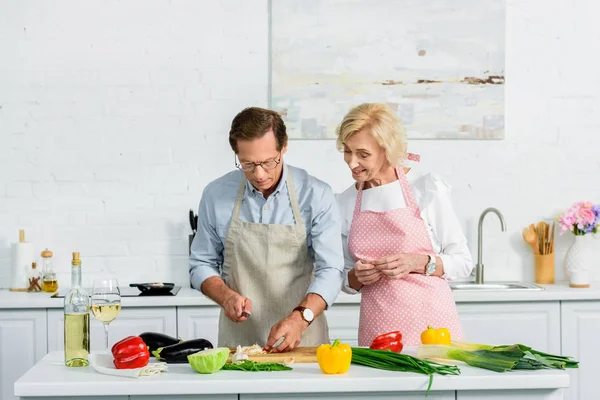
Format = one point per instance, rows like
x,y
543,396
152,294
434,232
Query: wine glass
x,y
106,303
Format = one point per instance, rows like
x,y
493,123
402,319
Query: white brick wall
x,y
114,116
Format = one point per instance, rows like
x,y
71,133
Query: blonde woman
x,y
402,239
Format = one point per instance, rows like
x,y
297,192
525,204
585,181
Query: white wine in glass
x,y
106,304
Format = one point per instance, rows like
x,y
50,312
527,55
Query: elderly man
x,y
268,247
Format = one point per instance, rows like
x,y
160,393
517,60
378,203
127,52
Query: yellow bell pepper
x,y
334,358
436,336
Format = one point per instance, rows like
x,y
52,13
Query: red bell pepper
x,y
388,341
130,352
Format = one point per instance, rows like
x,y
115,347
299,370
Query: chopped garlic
x,y
253,350
239,355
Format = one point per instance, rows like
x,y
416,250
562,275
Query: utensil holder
x,y
544,268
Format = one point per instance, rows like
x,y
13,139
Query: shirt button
x,y
266,208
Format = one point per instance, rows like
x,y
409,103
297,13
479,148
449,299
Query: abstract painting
x,y
439,64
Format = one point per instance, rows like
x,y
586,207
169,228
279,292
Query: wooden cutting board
x,y
299,354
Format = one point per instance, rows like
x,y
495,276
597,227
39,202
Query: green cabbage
x,y
210,360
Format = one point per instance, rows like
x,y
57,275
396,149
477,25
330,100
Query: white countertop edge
x,y
188,297
306,378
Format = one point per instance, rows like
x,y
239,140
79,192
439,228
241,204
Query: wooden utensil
x,y
532,229
552,239
531,239
541,232
539,238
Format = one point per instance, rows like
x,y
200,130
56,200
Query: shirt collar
x,y
284,173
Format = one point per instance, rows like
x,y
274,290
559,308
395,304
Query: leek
x,y
530,356
497,358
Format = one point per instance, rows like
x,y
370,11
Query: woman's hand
x,y
399,265
366,273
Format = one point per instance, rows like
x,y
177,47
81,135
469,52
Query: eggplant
x,y
155,340
177,353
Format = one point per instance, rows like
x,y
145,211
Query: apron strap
x,y
406,190
238,199
358,202
293,198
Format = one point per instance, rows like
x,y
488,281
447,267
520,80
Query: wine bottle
x,y
77,319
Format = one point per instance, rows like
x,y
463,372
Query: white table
x,y
50,378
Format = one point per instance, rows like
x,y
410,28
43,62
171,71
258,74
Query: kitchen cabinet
x,y
539,394
535,324
343,322
131,321
580,327
22,344
79,398
199,322
350,396
195,397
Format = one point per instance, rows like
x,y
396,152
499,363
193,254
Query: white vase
x,y
578,259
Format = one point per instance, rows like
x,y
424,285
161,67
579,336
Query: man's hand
x,y
399,265
366,273
290,329
237,307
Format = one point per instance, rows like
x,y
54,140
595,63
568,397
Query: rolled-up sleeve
x,y
348,265
327,247
346,216
206,255
455,254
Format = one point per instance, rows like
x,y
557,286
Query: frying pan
x,y
152,288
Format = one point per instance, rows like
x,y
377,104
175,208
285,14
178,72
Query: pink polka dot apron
x,y
409,304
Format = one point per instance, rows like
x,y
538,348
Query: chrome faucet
x,y
479,266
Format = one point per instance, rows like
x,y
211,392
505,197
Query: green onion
x,y
390,361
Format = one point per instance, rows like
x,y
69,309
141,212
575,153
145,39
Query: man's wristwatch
x,y
431,266
306,314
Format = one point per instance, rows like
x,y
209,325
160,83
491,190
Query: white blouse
x,y
432,195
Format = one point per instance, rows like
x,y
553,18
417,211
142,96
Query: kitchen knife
x,y
192,221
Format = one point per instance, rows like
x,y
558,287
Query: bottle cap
x,y
47,253
33,265
21,235
76,260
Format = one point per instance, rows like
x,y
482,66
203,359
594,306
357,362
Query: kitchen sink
x,y
494,286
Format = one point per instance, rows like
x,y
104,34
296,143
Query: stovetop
x,y
125,292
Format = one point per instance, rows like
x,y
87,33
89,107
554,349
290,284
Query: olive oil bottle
x,y
49,282
77,319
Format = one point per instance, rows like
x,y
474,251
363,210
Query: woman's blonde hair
x,y
381,122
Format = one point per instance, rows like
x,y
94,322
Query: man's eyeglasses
x,y
267,165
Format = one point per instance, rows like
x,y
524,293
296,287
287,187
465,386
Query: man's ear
x,y
284,150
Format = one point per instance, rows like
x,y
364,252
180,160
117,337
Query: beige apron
x,y
271,265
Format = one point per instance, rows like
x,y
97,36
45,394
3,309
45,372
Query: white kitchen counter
x,y
50,378
185,297
191,297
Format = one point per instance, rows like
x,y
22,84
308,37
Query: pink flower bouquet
x,y
581,218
